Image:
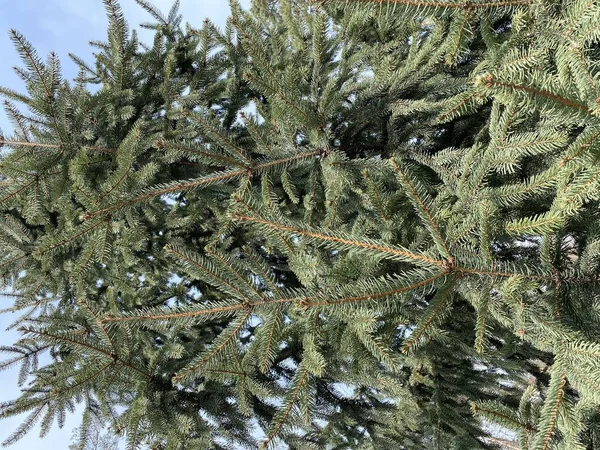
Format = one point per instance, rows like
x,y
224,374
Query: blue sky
x,y
66,26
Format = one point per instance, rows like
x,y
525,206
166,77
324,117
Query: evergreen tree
x,y
332,224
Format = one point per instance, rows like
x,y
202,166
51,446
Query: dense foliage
x,y
338,225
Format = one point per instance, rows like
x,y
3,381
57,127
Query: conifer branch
x,y
443,298
210,273
28,144
311,120
582,147
463,5
232,270
28,51
305,301
375,190
218,177
263,271
181,146
574,21
12,260
62,338
463,24
509,194
223,140
577,375
41,145
404,254
98,322
544,223
485,237
502,174
115,185
84,264
303,376
18,191
419,204
481,323
29,422
85,380
479,408
585,349
9,363
441,117
284,161
268,353
378,295
180,186
551,408
196,366
536,92
228,372
499,273
573,196
70,238
180,315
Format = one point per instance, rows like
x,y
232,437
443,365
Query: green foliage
x,y
335,224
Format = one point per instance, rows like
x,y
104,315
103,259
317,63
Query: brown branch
x,y
304,301
263,361
286,413
28,144
495,273
477,409
468,12
422,206
489,82
113,356
417,335
214,351
379,295
175,146
593,177
554,415
584,146
233,270
223,139
38,71
215,178
178,187
85,380
6,263
285,160
72,238
465,5
456,107
117,183
377,197
23,187
171,250
180,315
324,237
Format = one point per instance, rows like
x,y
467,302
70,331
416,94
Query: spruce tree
x,y
333,224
